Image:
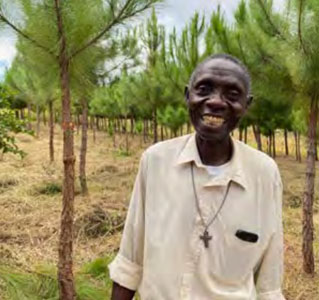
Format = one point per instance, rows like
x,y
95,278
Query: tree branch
x,y
107,72
299,27
26,36
276,30
118,19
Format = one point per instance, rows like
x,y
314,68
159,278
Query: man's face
x,y
217,99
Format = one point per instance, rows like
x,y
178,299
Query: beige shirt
x,y
161,253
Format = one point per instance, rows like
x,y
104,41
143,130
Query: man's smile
x,y
213,121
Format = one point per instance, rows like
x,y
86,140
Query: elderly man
x,y
204,220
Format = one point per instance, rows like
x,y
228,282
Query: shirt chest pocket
x,y
235,258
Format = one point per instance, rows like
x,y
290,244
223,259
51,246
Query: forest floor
x,y
30,201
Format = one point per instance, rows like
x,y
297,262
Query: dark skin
x,y
121,293
220,91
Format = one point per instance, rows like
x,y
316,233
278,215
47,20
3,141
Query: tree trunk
x,y
316,150
286,142
132,125
78,123
269,144
162,133
240,134
307,218
296,144
29,116
274,144
188,127
299,148
44,117
165,132
38,120
245,135
257,137
65,265
155,136
94,132
126,136
51,131
22,114
83,150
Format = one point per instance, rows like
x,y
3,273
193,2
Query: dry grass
x,y
29,217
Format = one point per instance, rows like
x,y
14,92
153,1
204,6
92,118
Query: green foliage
x,y
173,118
9,126
92,282
50,188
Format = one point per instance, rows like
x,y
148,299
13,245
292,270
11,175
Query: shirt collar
x,y
190,154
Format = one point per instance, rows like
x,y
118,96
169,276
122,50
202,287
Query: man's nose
x,y
216,100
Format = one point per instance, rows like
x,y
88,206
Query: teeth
x,y
215,121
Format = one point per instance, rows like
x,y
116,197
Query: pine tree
x,y
61,32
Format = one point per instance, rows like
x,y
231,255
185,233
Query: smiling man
x,y
204,220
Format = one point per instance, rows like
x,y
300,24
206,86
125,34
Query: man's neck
x,y
214,153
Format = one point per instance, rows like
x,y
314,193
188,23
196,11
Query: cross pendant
x,y
205,238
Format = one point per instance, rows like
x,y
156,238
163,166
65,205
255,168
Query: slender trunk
x,y
44,118
269,143
162,133
144,131
240,134
94,132
274,144
51,131
316,150
83,150
307,216
97,123
22,114
155,137
286,142
126,136
245,135
78,123
257,137
132,125
65,265
299,148
296,144
188,127
38,120
29,116
166,132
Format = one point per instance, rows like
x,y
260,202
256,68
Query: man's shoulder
x,y
168,149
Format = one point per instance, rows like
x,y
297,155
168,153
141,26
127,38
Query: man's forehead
x,y
220,66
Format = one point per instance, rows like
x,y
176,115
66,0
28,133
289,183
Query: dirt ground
x,y
30,201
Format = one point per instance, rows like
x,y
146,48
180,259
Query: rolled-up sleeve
x,y
127,267
270,272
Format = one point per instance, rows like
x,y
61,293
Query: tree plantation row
x,y
132,78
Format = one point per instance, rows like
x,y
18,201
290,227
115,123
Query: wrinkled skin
x,y
218,89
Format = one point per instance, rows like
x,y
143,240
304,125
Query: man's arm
x,y
268,278
121,293
126,269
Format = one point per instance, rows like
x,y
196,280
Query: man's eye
x,y
233,95
204,89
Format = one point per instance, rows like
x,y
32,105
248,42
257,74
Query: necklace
x,y
205,237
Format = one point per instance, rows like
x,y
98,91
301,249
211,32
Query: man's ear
x,y
250,99
186,93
